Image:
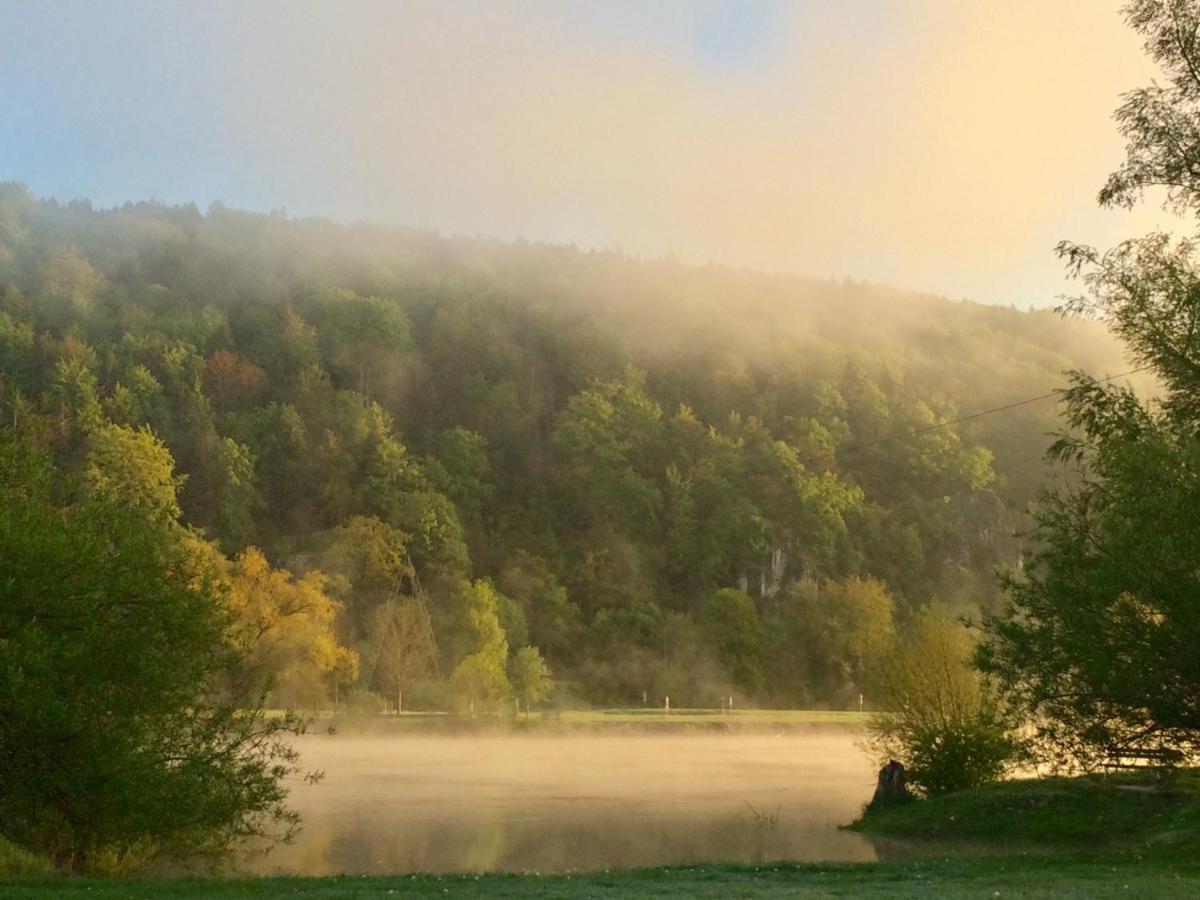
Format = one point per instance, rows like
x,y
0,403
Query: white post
x,y
667,704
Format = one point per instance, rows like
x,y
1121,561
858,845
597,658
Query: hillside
x,y
669,480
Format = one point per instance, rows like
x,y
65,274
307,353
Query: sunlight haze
x,y
935,146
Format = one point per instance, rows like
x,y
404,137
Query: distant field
x,y
739,716
598,718
1006,876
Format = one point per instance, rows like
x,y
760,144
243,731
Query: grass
x,y
1061,877
730,717
623,719
1131,812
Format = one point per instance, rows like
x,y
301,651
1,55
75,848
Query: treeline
x,y
455,468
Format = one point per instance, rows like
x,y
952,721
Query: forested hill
x,y
667,479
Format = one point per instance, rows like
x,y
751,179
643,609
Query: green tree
x,y
552,619
529,676
731,623
481,678
1097,642
114,743
132,468
827,638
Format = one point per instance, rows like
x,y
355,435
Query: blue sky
x,y
942,145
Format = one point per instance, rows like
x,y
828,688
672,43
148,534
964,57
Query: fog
x,y
550,803
933,145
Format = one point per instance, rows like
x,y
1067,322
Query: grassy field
x,y
625,719
1130,813
730,717
1060,877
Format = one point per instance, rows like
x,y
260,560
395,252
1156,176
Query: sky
x,y
937,145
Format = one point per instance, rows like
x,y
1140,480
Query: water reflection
x,y
582,802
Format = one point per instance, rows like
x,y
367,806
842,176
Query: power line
x,y
984,412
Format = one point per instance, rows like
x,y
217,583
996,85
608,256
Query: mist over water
x,y
557,803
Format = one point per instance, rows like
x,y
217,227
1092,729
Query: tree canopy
x,y
1098,640
607,443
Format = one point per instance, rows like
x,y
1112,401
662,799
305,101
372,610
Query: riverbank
x,y
592,721
1083,876
1137,813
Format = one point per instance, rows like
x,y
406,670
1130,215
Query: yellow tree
x,y
285,627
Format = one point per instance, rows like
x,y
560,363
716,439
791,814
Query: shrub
x,y
365,704
938,714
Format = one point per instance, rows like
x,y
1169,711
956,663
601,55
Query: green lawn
x,y
597,718
1132,813
1060,877
732,717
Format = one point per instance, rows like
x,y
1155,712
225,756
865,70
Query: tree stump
x,y
891,785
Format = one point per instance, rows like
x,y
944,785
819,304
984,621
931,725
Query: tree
x,y
530,676
132,468
233,383
552,619
284,629
937,715
1098,641
481,677
732,625
828,638
114,740
605,440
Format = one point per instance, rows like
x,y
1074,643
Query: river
x,y
575,802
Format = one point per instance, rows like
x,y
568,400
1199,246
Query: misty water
x,y
556,803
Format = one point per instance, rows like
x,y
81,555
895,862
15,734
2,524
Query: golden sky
x,y
940,145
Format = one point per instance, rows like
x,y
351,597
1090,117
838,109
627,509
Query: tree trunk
x,y
891,785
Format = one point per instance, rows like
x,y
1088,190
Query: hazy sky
x,y
942,145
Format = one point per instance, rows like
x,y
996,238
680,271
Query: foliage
x,y
937,714
364,704
529,676
1097,641
609,441
826,639
114,742
285,630
481,679
132,468
732,625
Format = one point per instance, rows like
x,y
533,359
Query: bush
x,y
938,715
365,704
16,860
118,742
959,755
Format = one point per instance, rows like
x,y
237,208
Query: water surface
x,y
578,802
